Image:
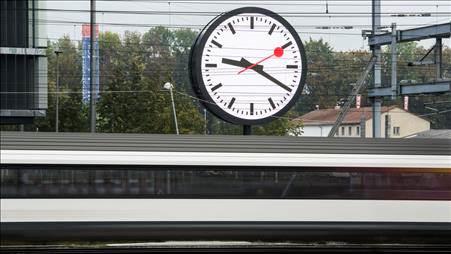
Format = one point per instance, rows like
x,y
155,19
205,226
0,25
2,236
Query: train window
x,y
222,182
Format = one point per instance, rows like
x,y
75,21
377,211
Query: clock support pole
x,y
247,130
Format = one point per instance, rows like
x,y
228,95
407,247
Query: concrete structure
x,y
359,123
440,134
23,61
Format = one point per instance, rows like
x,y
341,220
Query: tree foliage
x,y
134,67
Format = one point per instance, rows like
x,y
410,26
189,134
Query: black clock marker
x,y
216,87
272,29
287,44
231,102
231,28
216,43
272,103
211,65
252,22
292,66
252,108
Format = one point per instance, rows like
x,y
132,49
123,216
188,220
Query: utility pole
x,y
205,121
169,87
57,52
387,125
362,125
351,98
92,71
438,58
247,130
376,101
394,61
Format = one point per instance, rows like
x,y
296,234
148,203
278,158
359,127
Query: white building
x,y
359,122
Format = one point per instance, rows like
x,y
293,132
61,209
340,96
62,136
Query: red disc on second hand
x,y
278,52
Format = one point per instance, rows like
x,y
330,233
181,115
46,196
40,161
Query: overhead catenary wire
x,y
277,2
188,46
162,91
209,102
201,25
286,14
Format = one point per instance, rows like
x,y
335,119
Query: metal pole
x,y
394,81
205,121
387,126
247,130
438,58
362,125
351,98
377,102
57,91
175,114
92,71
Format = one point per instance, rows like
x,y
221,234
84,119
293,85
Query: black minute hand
x,y
258,68
277,82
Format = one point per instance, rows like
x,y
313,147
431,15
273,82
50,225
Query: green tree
x,y
72,112
134,67
319,87
134,99
280,127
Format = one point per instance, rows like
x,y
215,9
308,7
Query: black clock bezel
x,y
195,68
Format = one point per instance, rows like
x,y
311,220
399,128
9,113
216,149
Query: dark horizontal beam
x,y
441,87
374,232
23,51
216,143
21,112
415,34
424,88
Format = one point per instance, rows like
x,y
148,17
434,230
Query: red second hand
x,y
278,52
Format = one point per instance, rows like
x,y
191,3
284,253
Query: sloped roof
x,y
328,116
441,134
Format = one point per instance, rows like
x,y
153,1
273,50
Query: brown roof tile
x,y
328,116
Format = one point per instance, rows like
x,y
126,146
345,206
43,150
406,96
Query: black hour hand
x,y
246,63
232,62
243,63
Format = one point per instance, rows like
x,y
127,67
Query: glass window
x,y
222,182
342,131
396,131
350,131
357,130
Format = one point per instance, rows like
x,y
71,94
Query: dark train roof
x,y
211,143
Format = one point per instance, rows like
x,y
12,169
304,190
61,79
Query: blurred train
x,y
164,187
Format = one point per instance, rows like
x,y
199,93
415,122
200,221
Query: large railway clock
x,y
248,65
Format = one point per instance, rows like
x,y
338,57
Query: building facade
x,y
395,122
23,61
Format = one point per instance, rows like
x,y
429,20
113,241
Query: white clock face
x,y
252,66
